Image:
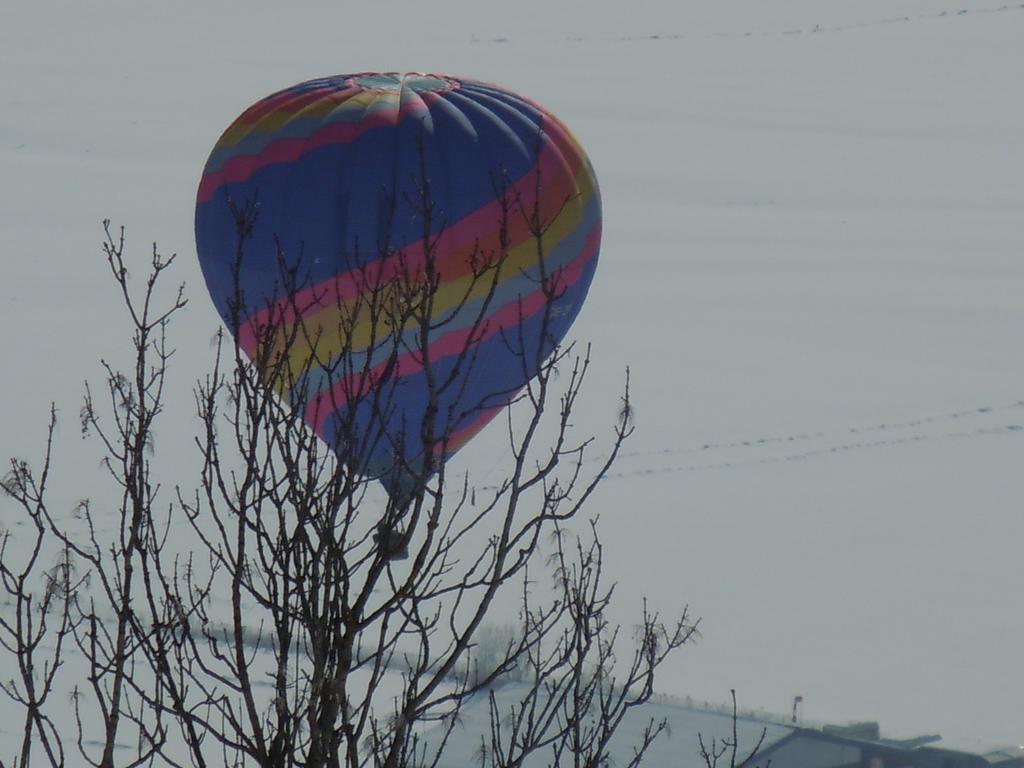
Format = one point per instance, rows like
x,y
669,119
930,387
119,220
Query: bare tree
x,y
727,750
43,621
314,621
577,695
104,623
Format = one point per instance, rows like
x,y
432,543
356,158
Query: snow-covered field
x,y
813,263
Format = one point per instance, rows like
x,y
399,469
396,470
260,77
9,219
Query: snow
x,y
811,264
678,744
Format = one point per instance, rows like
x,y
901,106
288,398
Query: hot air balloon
x,y
397,254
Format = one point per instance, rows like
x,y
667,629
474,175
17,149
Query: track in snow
x,y
982,421
813,30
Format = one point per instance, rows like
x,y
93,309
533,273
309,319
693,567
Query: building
x,y
690,727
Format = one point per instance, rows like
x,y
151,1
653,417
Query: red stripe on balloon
x,y
325,403
241,167
289,102
460,437
478,229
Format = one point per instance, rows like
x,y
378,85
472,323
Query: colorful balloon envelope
x,y
397,255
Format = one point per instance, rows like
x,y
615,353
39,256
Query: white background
x,y
812,264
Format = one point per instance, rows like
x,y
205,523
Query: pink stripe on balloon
x,y
289,102
241,167
325,403
460,437
472,228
